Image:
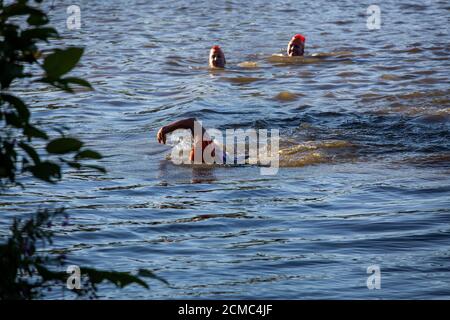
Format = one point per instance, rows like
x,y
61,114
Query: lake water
x,y
364,123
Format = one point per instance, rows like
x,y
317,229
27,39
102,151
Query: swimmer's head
x,y
216,58
296,46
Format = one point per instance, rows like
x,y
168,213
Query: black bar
x,y
221,309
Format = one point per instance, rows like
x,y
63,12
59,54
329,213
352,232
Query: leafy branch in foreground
x,y
18,48
26,271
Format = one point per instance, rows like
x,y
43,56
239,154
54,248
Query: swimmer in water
x,y
200,142
216,58
296,46
205,150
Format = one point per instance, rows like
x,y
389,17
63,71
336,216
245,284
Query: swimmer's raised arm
x,y
187,124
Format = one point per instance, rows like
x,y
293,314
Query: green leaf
x,y
64,145
88,154
8,72
151,274
120,279
37,18
33,132
40,33
13,119
98,168
19,9
56,83
48,275
61,61
72,164
64,83
20,106
46,171
30,151
77,81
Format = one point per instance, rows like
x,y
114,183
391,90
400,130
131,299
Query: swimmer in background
x,y
296,47
216,58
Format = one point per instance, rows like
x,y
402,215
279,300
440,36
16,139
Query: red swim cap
x,y
215,48
299,37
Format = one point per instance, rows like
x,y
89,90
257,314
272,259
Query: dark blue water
x,y
364,124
